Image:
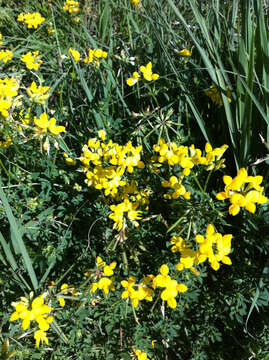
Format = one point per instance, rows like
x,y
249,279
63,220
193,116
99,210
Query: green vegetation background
x,y
224,314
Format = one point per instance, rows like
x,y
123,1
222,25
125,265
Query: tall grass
x,y
232,42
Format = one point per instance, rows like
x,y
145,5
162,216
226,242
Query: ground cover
x,y
134,179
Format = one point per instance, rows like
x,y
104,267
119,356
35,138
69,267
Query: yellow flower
x,y
20,17
55,130
171,286
184,52
133,80
102,135
69,161
215,95
242,191
106,284
94,56
38,94
32,20
71,6
141,355
162,279
40,335
32,60
147,72
75,54
6,55
65,289
4,106
136,3
38,312
128,285
43,124
136,292
108,269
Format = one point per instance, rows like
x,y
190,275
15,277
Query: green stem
x,y
153,306
124,258
9,174
197,182
53,162
207,179
126,309
135,317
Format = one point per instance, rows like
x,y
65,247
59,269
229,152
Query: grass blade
x,y
18,238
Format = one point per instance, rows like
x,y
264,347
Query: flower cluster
x,y
105,165
8,91
137,292
31,20
242,191
178,188
71,6
43,124
32,60
215,95
212,159
75,54
38,94
95,56
171,287
214,248
33,310
187,158
127,208
145,290
146,72
105,283
6,55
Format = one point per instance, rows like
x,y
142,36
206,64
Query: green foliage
x,y
54,227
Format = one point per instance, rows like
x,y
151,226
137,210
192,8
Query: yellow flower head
x,y
35,310
75,54
215,95
32,20
141,355
94,56
184,52
32,60
38,94
243,191
40,335
71,6
6,55
43,124
146,72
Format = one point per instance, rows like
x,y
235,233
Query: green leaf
x,y
18,239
